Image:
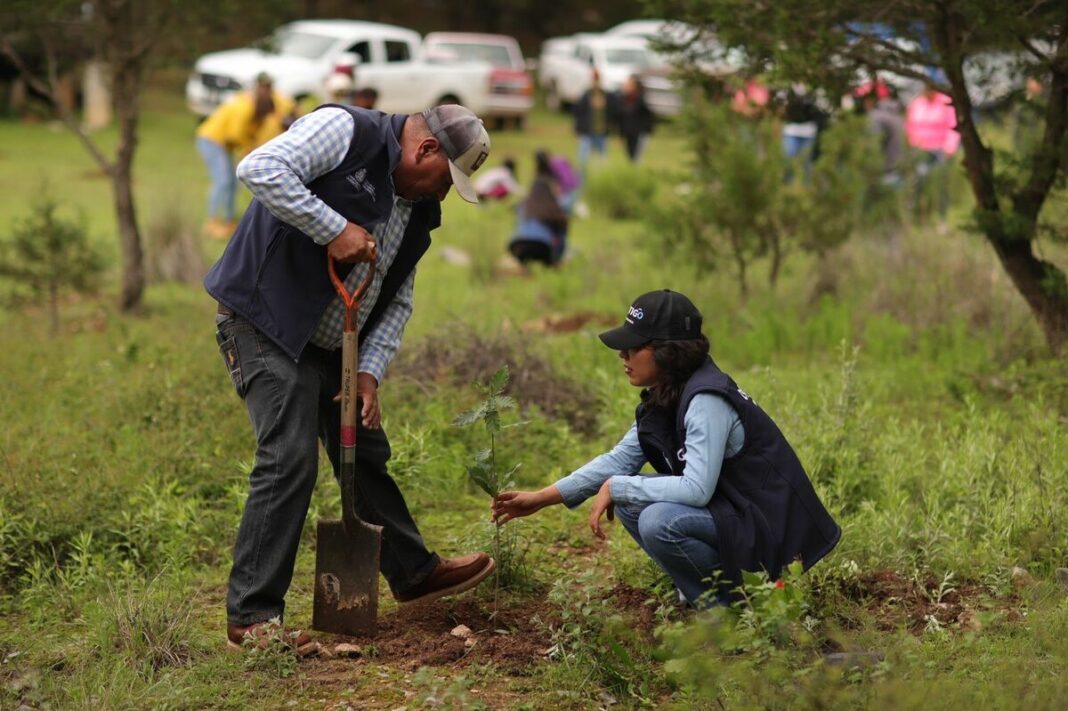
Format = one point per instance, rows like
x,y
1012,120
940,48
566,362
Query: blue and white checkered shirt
x,y
277,174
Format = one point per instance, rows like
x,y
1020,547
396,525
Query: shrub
x,y
49,254
622,192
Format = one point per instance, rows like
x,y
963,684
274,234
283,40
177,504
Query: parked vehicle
x,y
510,86
566,64
301,55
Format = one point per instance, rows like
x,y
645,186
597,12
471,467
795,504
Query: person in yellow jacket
x,y
242,123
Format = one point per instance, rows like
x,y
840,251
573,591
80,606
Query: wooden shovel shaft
x,y
349,361
349,367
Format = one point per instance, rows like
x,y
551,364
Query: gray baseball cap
x,y
465,141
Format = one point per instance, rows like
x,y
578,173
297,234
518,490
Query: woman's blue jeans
x,y
682,540
223,181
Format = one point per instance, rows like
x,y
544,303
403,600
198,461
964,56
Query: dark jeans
x,y
291,406
530,250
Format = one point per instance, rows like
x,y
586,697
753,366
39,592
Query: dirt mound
x,y
464,357
896,600
414,637
639,603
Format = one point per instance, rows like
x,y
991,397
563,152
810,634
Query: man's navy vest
x,y
765,509
276,276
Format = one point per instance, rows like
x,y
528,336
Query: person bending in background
x,y
541,231
497,183
247,120
729,494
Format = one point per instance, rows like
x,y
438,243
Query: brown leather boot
x,y
453,575
260,634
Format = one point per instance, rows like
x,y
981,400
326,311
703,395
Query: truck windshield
x,y
495,54
300,44
631,57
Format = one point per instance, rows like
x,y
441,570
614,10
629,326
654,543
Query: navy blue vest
x,y
767,514
276,276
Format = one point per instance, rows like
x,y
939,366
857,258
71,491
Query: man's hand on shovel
x,y
367,393
354,244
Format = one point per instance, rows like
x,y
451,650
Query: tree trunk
x,y
739,260
775,243
1042,284
133,269
126,87
53,304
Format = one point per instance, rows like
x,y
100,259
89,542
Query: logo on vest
x,y
360,182
633,313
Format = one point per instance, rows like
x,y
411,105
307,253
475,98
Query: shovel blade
x,y
346,578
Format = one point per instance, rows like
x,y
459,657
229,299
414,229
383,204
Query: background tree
x,y
832,44
127,36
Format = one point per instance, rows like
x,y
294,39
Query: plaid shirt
x,y
277,174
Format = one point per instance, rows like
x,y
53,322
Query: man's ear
x,y
428,147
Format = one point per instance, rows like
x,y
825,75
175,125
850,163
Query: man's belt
x,y
225,310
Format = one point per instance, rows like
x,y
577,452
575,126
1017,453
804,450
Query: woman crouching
x,y
729,494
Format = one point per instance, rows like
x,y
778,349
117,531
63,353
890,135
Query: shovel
x,y
347,552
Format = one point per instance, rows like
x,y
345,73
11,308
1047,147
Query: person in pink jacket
x,y
931,127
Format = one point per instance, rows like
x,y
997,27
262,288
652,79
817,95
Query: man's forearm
x,y
384,340
277,172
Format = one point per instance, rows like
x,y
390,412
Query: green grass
x,y
939,444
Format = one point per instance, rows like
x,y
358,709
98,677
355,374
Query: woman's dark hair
x,y
542,167
677,361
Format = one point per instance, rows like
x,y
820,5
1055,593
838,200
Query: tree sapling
x,y
484,471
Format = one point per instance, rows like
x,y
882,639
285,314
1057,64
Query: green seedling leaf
x,y
500,402
482,478
481,472
470,417
499,380
506,480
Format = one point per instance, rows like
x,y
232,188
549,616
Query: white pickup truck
x,y
301,55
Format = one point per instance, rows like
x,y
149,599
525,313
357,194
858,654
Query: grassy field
x,y
911,380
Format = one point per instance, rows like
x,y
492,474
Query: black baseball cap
x,y
662,315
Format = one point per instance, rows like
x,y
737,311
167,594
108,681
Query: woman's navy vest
x,y
276,276
766,512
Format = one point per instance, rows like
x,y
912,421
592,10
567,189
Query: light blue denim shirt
x,y
713,433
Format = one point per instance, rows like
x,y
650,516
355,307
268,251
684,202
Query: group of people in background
x,y
598,113
926,125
